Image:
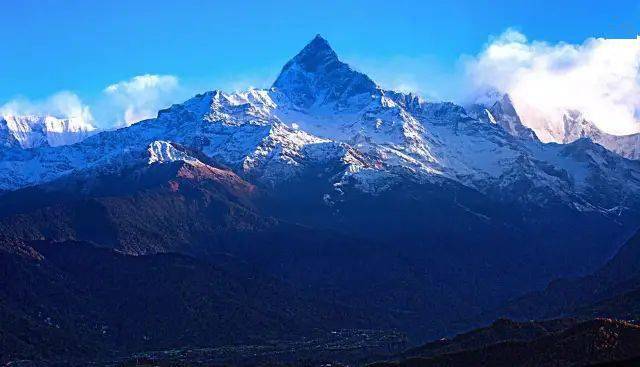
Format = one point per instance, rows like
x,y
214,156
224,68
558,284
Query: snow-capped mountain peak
x,y
575,127
315,56
32,131
316,77
564,126
497,108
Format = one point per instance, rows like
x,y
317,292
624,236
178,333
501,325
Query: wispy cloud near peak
x,y
139,98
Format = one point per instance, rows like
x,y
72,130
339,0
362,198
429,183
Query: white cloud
x,y
62,105
600,78
122,103
138,98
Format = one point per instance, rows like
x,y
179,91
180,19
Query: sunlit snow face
x,y
600,78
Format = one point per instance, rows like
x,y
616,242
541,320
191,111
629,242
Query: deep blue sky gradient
x,y
83,46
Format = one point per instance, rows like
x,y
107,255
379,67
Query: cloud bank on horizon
x,y
600,78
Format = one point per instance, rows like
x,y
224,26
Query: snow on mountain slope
x,y
499,110
576,127
566,127
34,131
315,78
163,152
322,113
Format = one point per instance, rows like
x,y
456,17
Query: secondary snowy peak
x,y
164,152
504,114
316,77
33,131
563,126
188,167
498,109
577,127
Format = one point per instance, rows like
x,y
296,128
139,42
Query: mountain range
x,y
323,202
321,110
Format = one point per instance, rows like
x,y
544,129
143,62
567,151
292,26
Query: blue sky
x,y
84,46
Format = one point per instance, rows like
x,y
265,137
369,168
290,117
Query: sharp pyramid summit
x,y
316,77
